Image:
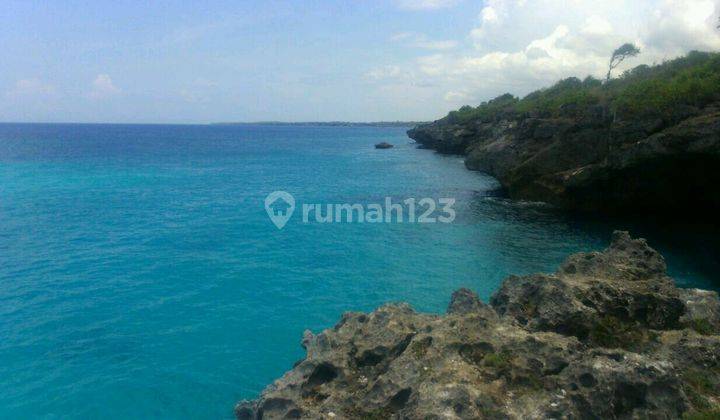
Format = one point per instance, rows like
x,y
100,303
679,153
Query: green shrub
x,y
711,414
658,90
699,386
700,381
610,332
487,111
499,361
702,326
420,347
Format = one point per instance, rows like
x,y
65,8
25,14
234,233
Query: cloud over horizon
x,y
31,88
103,87
354,61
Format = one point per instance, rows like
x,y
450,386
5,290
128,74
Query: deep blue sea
x,y
141,277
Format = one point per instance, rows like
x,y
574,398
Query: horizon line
x,y
328,122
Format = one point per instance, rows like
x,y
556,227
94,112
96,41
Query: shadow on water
x,y
688,246
691,248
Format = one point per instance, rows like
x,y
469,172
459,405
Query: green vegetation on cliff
x,y
643,143
645,91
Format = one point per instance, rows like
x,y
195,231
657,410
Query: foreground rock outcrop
x,y
592,159
606,336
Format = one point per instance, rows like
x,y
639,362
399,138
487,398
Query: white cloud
x,y
456,97
31,88
521,46
417,40
596,25
489,15
433,65
403,36
665,27
425,4
542,61
676,26
384,72
103,87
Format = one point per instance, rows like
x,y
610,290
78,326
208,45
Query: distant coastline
x,y
402,124
331,123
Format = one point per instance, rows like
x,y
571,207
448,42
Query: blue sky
x,y
178,62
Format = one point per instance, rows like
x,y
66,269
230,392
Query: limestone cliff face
x,y
606,336
594,162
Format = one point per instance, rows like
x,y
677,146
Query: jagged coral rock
x,y
607,336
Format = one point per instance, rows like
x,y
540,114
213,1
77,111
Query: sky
x,y
165,61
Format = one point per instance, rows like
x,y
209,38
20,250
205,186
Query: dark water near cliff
x,y
141,277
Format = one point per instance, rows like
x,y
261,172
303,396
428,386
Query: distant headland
x,y
331,123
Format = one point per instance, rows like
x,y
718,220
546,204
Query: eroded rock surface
x,y
606,336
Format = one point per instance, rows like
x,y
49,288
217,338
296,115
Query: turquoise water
x,y
140,275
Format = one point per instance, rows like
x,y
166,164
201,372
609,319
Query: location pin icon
x,y
279,206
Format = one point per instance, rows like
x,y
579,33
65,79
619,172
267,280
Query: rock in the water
x,y
607,336
384,145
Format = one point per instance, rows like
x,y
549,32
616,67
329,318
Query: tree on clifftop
x,y
619,55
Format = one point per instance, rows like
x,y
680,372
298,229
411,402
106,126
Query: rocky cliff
x,y
596,162
647,142
606,336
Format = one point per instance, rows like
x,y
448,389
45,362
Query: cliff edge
x,y
606,336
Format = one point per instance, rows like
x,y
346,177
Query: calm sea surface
x,y
141,277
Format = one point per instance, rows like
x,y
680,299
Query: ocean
x,y
140,274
